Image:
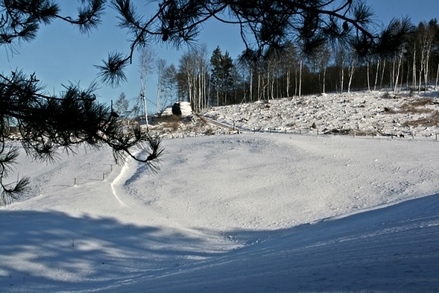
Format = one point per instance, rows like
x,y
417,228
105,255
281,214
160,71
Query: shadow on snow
x,y
101,251
394,248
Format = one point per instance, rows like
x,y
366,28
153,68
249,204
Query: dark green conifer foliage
x,y
45,123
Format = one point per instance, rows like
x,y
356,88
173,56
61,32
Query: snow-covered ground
x,y
248,212
357,113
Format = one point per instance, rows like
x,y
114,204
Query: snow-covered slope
x,y
357,113
250,212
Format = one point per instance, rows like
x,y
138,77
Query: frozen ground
x,y
249,212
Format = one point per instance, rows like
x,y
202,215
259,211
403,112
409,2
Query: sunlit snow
x,y
275,206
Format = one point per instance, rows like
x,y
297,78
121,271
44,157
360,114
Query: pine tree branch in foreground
x,y
264,26
49,124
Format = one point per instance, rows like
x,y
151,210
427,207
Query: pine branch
x,y
113,70
48,124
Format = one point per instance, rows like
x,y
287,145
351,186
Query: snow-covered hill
x,y
376,113
248,212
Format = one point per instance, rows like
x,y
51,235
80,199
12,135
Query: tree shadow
x,y
391,249
43,251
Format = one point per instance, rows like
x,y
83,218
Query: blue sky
x,y
60,54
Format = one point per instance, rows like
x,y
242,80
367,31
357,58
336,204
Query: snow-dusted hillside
x,y
248,212
376,113
357,113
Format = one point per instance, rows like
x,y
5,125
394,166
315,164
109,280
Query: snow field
x,y
253,212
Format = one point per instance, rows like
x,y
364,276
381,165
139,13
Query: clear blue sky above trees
x,y
60,54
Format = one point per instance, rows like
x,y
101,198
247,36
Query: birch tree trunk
x,y
395,88
300,78
367,75
296,83
146,67
376,74
427,61
382,73
342,77
437,77
351,73
259,84
394,68
414,72
251,85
